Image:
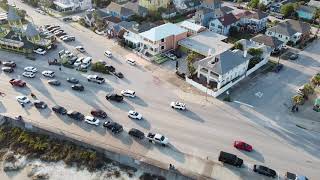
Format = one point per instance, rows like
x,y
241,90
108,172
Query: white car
x,y
40,51
108,54
29,74
131,62
78,62
178,105
128,93
80,49
134,115
23,99
62,37
48,74
92,120
30,69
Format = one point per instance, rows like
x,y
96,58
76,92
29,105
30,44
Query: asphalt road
x,y
203,130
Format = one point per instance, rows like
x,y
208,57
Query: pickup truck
x,y
157,138
95,78
17,82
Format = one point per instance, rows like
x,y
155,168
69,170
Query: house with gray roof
x,y
136,8
119,11
133,29
290,30
275,44
254,21
223,24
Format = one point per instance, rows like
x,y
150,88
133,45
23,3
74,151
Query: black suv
x,y
77,87
7,69
264,170
114,97
136,133
40,104
113,126
230,159
75,115
59,109
9,64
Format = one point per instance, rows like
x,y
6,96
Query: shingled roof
x,y
228,19
12,14
290,27
270,41
31,31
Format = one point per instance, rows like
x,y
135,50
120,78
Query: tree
x,y
262,7
238,45
253,3
22,13
239,2
298,100
287,9
316,80
307,89
256,52
190,59
233,31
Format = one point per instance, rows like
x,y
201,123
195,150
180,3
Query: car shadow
x,y
137,100
171,151
254,155
143,123
45,112
124,106
191,115
3,109
64,118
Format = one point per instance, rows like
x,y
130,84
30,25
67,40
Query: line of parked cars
x,y
58,32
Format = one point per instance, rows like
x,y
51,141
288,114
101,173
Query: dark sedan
x,y
264,171
77,87
75,115
73,80
113,126
114,97
59,109
136,133
40,104
99,113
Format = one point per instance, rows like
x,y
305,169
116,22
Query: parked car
x,y
28,74
134,115
110,68
292,176
17,82
178,105
30,69
128,93
278,68
80,49
67,19
131,62
7,69
136,133
231,159
69,38
39,104
92,120
59,109
119,75
61,34
242,146
54,82
294,56
95,78
108,54
157,138
48,73
72,80
114,97
113,126
77,87
22,99
86,62
264,171
9,64
40,51
75,115
99,113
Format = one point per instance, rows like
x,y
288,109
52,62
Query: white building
x,y
223,24
265,2
72,5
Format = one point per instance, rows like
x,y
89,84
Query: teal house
x,y
306,12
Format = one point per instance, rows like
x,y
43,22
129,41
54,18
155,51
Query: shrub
x,y
316,80
298,100
99,67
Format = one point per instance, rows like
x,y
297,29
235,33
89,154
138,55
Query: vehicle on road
x,y
110,68
95,78
30,69
92,120
157,138
9,64
242,146
294,56
28,74
48,73
54,82
59,109
68,38
17,82
99,113
292,176
278,68
86,62
118,74
136,133
54,62
134,115
78,62
108,54
171,56
114,97
38,10
40,51
22,99
61,34
114,127
128,93
264,171
80,49
77,87
75,115
7,69
66,19
231,159
178,105
39,104
72,80
131,62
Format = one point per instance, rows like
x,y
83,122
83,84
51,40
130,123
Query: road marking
x,y
243,104
258,94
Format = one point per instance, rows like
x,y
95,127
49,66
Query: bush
x,y
227,98
298,100
99,67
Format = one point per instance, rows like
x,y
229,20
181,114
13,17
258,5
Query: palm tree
x,y
298,100
316,80
308,89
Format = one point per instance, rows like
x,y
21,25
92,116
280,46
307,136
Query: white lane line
x,y
243,104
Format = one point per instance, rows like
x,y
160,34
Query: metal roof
x,y
163,31
31,31
12,14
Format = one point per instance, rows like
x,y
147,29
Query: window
x,y
280,36
220,27
162,47
212,24
162,40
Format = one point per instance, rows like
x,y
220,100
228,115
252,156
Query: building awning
x,y
10,42
63,6
132,39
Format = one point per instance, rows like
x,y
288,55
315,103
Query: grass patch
x,y
159,59
239,36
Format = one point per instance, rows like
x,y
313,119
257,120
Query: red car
x,y
99,113
242,146
17,82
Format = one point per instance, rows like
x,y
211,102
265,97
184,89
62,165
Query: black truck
x,y
230,159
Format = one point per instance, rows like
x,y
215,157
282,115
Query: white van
x,y
108,54
131,62
86,62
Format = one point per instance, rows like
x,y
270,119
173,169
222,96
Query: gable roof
x,y
163,31
258,15
127,24
314,3
270,41
31,31
228,19
190,25
12,14
290,27
136,8
226,9
122,11
225,62
139,28
243,14
308,9
112,19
